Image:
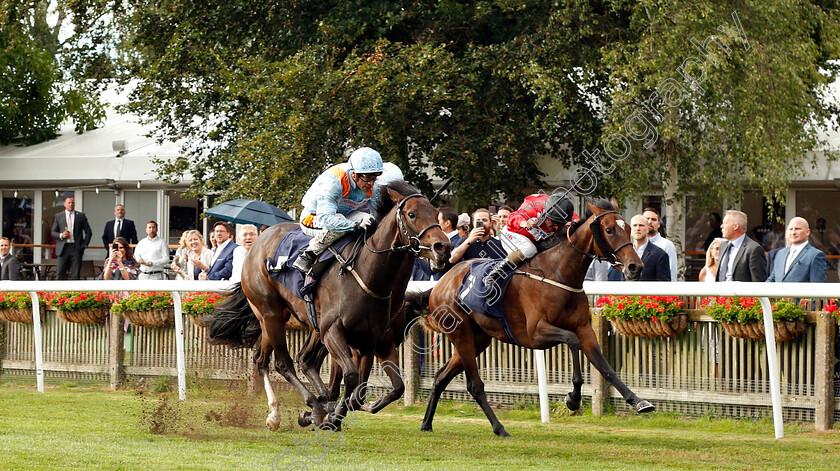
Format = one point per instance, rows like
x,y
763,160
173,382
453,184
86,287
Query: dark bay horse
x,y
354,308
541,313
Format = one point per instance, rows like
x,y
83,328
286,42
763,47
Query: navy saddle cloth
x,y
474,295
280,267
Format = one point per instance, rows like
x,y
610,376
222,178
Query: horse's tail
x,y
233,323
414,304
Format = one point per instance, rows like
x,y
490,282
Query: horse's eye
x,y
412,215
610,230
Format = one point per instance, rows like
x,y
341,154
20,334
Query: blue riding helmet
x,y
390,173
366,160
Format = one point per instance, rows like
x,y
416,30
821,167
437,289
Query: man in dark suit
x,y
72,234
119,227
657,263
221,267
741,258
9,265
800,261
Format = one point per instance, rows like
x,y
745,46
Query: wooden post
x,y
824,371
599,384
116,356
411,368
2,345
255,380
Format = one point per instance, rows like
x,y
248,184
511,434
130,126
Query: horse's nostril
x,y
439,247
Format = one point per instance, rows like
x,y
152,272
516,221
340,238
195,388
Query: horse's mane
x,y
380,201
601,203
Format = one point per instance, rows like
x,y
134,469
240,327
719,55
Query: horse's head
x,y
416,218
611,235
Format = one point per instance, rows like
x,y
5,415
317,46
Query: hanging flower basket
x,y
19,315
651,328
16,306
151,318
81,307
152,309
645,316
832,309
197,306
742,318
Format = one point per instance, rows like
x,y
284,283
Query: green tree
x,y
267,94
706,97
49,52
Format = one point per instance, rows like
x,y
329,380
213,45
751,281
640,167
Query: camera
x,y
479,224
115,247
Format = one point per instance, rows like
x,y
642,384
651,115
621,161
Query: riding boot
x,y
305,261
508,265
317,246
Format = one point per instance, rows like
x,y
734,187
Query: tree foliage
x,y
53,56
269,93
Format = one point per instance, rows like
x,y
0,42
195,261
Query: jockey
x,y
337,203
521,234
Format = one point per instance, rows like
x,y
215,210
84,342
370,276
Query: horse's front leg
x,y
546,336
309,359
389,363
590,347
340,351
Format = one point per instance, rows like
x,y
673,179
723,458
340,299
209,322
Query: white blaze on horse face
x,y
620,223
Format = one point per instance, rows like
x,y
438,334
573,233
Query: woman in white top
x,y
709,272
199,257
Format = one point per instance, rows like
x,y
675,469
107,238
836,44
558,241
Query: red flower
x,y
654,319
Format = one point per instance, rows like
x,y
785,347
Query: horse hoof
x,y
305,419
644,406
572,404
272,424
502,433
426,428
367,407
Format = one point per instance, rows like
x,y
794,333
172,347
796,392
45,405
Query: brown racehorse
x,y
354,309
540,314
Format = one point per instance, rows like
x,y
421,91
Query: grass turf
x,y
223,428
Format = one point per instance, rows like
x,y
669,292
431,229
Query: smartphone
x,y
115,247
479,224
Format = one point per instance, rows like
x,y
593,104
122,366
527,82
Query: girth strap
x,y
551,282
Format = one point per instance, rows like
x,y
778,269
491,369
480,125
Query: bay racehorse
x,y
544,307
353,309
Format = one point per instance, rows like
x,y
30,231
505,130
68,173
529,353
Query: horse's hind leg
x,y
310,358
547,335
262,359
590,347
284,365
337,345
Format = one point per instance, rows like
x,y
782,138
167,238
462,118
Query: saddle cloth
x,y
288,250
474,295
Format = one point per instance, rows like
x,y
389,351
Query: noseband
x,y
598,234
412,236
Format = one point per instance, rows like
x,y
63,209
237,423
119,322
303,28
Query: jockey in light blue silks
x,y
337,203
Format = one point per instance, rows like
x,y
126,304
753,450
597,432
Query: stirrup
x,y
304,262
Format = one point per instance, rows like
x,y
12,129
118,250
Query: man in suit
x,y
741,258
9,265
657,265
72,234
221,266
119,227
800,261
654,236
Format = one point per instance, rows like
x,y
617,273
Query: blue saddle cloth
x,y
474,295
288,250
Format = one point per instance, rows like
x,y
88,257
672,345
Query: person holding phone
x,y
120,264
478,243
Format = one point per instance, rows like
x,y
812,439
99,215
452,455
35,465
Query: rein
x,y
546,280
600,242
413,246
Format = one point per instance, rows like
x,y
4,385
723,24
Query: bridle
x,y
600,241
407,232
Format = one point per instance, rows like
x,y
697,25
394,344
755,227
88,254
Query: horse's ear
x,y
594,209
614,203
395,196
